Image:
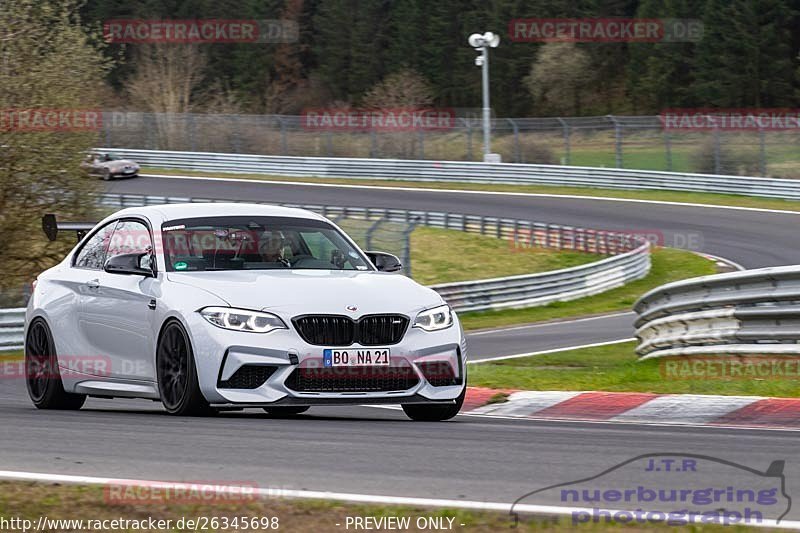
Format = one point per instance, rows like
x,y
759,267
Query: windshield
x,y
257,243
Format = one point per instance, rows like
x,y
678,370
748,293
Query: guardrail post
x,y
373,144
421,143
328,143
762,152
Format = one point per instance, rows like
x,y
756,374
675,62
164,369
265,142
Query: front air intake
x,y
248,377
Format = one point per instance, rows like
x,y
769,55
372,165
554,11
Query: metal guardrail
x,y
629,258
12,325
463,171
541,289
753,312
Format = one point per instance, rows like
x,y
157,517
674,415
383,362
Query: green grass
x,y
667,265
29,501
439,256
663,196
613,368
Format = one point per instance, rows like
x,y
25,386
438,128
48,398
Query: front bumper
x,y
220,353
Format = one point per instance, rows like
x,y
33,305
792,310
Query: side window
x,y
93,253
130,237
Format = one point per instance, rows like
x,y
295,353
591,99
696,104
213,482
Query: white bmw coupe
x,y
218,306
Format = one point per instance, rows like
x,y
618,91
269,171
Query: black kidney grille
x,y
352,379
326,330
336,330
376,330
248,377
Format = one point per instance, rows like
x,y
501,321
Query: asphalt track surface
x,y
363,450
377,450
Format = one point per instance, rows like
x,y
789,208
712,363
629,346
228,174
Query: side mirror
x,y
136,264
385,262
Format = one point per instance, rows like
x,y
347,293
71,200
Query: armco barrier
x,y
461,171
629,258
753,312
12,322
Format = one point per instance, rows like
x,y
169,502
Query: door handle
x,y
93,284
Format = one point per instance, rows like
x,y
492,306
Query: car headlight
x,y
434,319
242,319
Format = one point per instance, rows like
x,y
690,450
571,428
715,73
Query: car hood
x,y
297,292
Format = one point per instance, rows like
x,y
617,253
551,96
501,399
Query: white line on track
x,y
553,350
324,495
467,191
545,324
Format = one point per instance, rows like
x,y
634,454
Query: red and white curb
x,y
639,408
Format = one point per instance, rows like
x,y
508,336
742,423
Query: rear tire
x,y
105,174
288,410
42,377
434,412
176,372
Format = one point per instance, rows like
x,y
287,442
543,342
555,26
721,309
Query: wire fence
x,y
635,142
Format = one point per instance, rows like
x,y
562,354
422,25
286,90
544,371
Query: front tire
x,y
42,377
431,412
176,372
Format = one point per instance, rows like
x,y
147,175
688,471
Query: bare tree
x,y
166,77
559,78
47,62
405,88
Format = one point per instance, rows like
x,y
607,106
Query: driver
x,y
271,246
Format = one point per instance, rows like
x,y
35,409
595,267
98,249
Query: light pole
x,y
482,43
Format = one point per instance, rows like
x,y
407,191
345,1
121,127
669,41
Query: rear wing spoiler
x,y
51,227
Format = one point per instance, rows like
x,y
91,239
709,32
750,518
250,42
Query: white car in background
x,y
109,166
226,306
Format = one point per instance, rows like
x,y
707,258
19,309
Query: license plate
x,y
356,357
